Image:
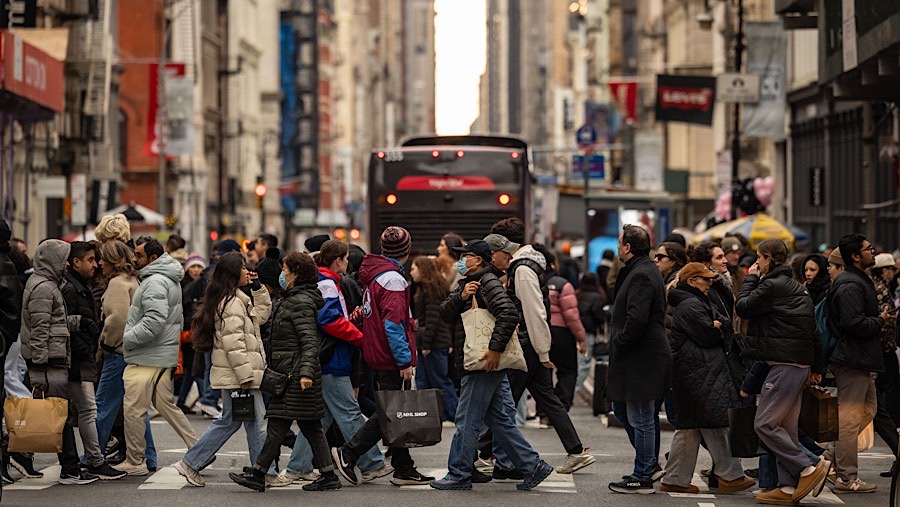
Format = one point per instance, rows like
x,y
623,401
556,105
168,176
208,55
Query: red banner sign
x,y
438,183
625,96
151,146
688,99
31,73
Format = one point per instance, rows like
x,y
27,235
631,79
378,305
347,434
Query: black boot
x,y
255,480
325,482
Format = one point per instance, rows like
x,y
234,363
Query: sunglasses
x,y
660,257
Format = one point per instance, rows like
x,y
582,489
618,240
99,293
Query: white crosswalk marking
x,y
555,483
827,497
165,478
51,475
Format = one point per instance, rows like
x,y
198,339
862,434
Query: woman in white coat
x,y
227,323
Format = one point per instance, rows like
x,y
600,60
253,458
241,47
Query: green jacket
x,y
155,317
295,347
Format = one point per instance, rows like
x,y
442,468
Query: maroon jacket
x,y
389,338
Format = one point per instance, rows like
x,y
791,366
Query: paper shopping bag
x,y
35,425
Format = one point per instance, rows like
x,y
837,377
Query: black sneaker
x,y
255,480
106,473
480,478
752,473
323,483
344,466
532,480
24,464
6,478
502,474
633,486
410,477
77,480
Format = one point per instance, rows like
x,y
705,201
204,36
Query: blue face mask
x,y
282,281
461,266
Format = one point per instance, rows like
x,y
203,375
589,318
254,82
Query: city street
x,y
587,487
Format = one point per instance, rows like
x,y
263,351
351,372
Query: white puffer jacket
x,y
238,355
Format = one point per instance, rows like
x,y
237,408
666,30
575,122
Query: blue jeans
x,y
639,417
110,394
208,395
340,406
221,429
487,398
432,374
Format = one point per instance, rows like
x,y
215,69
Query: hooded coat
x,y
45,330
295,351
155,317
389,337
702,381
818,287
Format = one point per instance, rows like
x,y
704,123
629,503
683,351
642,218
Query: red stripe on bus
x,y
439,183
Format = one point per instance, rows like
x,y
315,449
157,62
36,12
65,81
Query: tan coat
x,y
114,311
238,355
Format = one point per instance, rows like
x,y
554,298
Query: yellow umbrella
x,y
756,228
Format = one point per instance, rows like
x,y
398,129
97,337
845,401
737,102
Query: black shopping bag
x,y
819,414
741,435
410,418
243,407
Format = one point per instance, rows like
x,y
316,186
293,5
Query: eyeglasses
x,y
870,249
660,257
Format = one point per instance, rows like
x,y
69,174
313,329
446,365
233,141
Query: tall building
x,y
419,66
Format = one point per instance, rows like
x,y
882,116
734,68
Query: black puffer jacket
x,y
853,314
10,300
490,295
590,309
84,339
432,332
703,385
782,321
295,346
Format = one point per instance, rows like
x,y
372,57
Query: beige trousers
x,y
857,404
145,385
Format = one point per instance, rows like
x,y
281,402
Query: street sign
x,y
737,88
78,183
596,166
586,136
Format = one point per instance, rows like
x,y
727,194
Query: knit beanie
x,y
195,259
395,242
314,244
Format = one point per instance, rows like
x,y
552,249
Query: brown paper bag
x,y
35,425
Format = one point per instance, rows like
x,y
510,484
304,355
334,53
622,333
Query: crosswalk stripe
x,y
51,475
165,478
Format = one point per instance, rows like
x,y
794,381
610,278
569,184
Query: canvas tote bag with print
x,y
479,325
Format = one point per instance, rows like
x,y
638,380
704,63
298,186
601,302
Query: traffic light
x,y
340,234
260,192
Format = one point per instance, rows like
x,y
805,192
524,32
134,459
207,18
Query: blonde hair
x,y
121,258
113,227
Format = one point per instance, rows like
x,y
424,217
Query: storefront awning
x,y
31,81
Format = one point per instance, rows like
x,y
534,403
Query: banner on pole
x,y
766,49
151,146
686,99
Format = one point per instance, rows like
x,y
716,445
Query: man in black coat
x,y
856,320
640,357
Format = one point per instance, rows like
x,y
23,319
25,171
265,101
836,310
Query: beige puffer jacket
x,y
238,355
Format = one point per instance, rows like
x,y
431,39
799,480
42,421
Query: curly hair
x,y
432,284
113,227
702,252
121,258
303,267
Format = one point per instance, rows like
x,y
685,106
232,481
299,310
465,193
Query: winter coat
x,y
389,337
432,333
115,305
45,330
702,382
11,306
237,354
721,295
526,293
84,332
590,310
491,296
885,299
782,324
339,337
854,316
155,319
564,306
295,351
640,359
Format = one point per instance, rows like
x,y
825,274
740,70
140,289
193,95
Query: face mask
x,y
461,266
282,281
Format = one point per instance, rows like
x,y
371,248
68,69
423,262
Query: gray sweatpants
x,y
683,456
776,420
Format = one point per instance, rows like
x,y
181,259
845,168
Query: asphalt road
x,y
586,487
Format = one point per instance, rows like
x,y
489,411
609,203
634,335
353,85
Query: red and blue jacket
x,y
334,324
389,338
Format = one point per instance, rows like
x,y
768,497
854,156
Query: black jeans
x,y
370,433
56,381
564,354
539,382
312,431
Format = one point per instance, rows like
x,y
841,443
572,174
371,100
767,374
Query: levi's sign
x,y
688,99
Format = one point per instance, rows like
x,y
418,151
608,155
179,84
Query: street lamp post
x,y
736,134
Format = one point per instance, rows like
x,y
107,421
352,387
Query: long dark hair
x,y
432,284
220,290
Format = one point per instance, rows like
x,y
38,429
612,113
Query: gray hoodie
x,y
45,332
155,317
528,290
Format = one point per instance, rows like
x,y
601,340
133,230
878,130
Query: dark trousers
x,y
56,380
370,433
312,431
539,382
884,424
564,354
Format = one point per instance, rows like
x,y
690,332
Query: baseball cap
x,y
730,244
478,247
694,270
497,242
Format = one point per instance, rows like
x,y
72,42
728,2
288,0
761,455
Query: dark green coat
x,y
295,340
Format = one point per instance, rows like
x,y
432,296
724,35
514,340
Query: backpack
x,y
542,278
826,337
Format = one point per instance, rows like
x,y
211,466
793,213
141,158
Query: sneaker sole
x,y
76,482
340,469
642,491
324,488
579,466
110,477
386,472
851,491
24,471
451,488
408,482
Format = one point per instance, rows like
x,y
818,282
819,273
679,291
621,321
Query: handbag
x,y
479,325
275,383
35,425
819,414
243,407
410,418
742,436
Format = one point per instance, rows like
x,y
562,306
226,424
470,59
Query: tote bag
x,y
410,418
479,325
35,425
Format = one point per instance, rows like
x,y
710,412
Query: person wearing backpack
x,y
524,267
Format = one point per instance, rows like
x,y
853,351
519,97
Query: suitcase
x,y
601,371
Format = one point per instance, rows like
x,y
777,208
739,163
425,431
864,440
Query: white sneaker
x,y
208,411
378,473
190,475
485,466
576,462
132,469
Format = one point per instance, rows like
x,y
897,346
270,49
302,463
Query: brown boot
x,y
775,497
736,485
671,488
